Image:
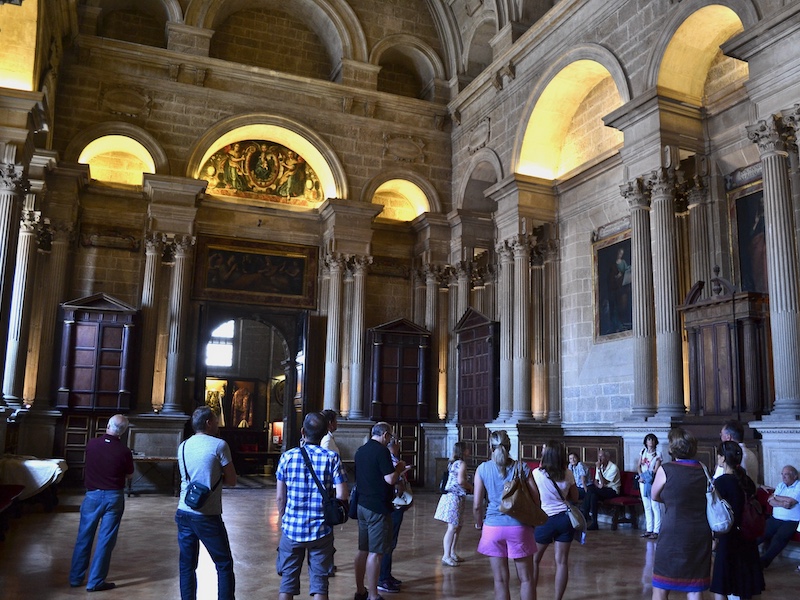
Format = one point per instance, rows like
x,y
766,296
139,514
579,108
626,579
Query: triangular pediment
x,y
472,318
401,326
99,302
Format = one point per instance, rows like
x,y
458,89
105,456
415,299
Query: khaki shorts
x,y
374,531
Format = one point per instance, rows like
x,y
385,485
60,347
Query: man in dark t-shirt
x,y
109,463
375,479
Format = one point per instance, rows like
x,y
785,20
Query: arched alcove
x,y
404,194
409,66
485,169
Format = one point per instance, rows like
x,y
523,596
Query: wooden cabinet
x,y
478,368
97,351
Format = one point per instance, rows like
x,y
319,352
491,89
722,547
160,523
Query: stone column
x,y
443,340
324,288
19,315
346,338
431,324
12,185
506,317
333,361
668,325
539,372
452,350
464,275
699,235
51,282
419,286
522,333
357,338
782,271
644,397
154,249
478,301
176,318
552,329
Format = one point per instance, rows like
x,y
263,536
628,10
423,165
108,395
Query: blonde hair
x,y
501,447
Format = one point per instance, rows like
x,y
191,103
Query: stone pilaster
x,y
176,318
19,315
552,329
346,338
357,341
419,286
782,269
154,249
464,276
452,350
333,361
443,341
324,288
644,398
538,353
699,234
431,324
522,334
505,305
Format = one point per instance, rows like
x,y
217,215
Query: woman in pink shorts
x,y
503,537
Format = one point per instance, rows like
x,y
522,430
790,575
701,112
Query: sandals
x,y
653,536
647,534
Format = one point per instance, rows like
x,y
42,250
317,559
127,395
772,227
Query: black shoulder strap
x,y
313,474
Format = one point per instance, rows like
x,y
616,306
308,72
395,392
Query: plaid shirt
x,y
304,520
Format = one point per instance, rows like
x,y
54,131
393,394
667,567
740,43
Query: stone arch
x,y
320,155
334,22
399,173
484,170
423,60
477,50
724,18
80,141
579,70
161,11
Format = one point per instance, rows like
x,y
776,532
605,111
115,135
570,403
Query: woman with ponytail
x,y
502,536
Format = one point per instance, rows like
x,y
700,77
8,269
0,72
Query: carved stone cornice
x,y
769,135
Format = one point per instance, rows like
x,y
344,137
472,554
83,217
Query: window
x,y
219,352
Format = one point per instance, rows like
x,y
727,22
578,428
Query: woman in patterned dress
x,y
451,505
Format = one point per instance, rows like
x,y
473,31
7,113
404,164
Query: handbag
x,y
336,511
754,523
352,511
576,518
443,481
718,512
196,493
516,500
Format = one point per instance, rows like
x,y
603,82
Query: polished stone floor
x,y
34,558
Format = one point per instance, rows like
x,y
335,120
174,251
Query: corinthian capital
x,y
358,263
661,182
635,193
769,134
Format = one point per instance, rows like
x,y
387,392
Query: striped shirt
x,y
304,519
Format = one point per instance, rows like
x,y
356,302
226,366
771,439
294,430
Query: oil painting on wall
x,y
750,249
262,170
260,273
613,273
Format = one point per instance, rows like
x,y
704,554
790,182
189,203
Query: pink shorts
x,y
510,541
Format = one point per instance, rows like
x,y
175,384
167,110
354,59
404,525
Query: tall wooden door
x,y
478,368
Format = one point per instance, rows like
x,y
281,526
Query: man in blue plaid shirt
x,y
300,510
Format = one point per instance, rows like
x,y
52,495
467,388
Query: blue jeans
x,y
386,560
103,508
209,529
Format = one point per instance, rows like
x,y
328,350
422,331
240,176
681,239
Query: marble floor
x,y
34,558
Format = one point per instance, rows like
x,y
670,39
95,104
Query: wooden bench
x,y
8,497
628,500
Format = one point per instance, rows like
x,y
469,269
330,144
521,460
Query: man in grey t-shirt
x,y
206,459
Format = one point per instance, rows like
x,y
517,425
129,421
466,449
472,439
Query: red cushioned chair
x,y
629,499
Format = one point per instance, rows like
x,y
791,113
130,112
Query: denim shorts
x,y
507,541
556,529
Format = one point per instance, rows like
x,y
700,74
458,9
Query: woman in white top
x,y
556,487
650,460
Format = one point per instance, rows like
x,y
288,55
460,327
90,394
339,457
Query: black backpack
x,y
443,482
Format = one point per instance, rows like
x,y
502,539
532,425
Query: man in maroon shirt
x,y
109,463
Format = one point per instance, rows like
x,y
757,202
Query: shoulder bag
x,y
335,510
754,523
516,500
196,493
718,512
576,518
443,480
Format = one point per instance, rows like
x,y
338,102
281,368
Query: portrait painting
x,y
748,235
262,170
269,274
613,273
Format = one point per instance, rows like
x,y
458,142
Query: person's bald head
x,y
117,425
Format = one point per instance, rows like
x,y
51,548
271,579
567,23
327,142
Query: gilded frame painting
x,y
748,237
264,273
613,273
